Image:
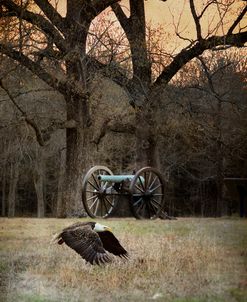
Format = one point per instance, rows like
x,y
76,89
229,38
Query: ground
x,y
188,259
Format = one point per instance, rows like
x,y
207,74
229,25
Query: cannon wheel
x,y
147,193
96,201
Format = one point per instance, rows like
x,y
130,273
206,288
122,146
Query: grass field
x,y
184,260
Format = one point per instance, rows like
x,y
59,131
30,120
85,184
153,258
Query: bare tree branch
x,y
122,18
186,55
208,75
52,14
29,121
111,71
37,20
237,21
113,126
62,85
86,10
205,8
196,19
100,5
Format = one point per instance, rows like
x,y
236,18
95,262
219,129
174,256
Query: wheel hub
x,y
101,192
148,193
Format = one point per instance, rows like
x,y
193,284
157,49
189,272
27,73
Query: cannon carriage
x,y
144,190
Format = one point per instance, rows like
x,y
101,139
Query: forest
x,y
96,83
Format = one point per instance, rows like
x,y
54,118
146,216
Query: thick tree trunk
x,y
138,45
146,142
61,181
147,134
220,182
139,87
219,158
77,110
14,175
4,191
38,178
4,182
76,157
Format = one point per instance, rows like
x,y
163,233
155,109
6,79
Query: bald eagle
x,y
91,241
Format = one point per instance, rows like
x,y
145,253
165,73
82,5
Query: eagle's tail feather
x,y
57,239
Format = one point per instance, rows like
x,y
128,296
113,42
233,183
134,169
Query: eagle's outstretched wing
x,y
86,243
112,245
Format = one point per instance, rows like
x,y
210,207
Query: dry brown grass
x,y
182,260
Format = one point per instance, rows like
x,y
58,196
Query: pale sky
x,y
173,11
177,11
156,10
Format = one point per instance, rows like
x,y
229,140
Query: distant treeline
x,y
202,131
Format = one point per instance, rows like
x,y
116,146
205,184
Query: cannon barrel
x,y
118,178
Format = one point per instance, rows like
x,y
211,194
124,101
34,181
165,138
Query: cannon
x,y
102,191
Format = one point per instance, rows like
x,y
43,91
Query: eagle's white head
x,y
101,228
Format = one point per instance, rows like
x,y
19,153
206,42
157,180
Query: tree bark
x,y
77,110
14,175
77,141
219,158
4,191
146,140
38,178
61,182
4,181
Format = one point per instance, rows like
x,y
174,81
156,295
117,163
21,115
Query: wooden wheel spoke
x,y
94,202
103,201
158,186
149,179
112,205
101,208
148,209
89,198
140,189
153,182
90,191
145,180
93,185
136,202
153,207
96,181
156,203
97,206
142,185
104,184
141,207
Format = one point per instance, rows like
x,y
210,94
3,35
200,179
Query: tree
x,y
65,42
26,117
54,49
148,91
214,107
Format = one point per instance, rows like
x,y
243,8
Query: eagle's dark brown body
x,y
92,241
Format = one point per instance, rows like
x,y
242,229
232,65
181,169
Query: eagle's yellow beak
x,y
108,229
